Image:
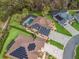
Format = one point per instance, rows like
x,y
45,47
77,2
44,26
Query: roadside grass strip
x,y
77,52
52,42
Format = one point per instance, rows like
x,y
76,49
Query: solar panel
x,y
43,30
19,53
31,46
36,26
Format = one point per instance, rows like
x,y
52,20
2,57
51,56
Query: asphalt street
x,y
70,47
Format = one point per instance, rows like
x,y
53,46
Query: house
x,y
39,26
24,47
63,17
76,16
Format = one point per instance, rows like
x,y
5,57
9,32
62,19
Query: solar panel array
x,y
43,30
31,46
20,53
36,26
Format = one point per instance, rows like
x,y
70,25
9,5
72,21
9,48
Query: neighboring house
x,y
39,26
76,16
63,17
26,48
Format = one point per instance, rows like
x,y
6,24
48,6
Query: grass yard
x,y
60,29
72,12
56,44
77,52
76,25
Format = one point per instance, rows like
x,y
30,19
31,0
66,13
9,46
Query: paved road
x,y
58,37
72,30
70,47
54,51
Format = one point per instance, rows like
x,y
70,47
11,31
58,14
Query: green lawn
x,y
59,27
77,52
56,44
76,25
72,12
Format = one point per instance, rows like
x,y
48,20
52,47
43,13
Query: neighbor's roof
x,y
66,16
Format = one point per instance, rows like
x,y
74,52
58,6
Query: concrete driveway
x,y
58,37
54,51
72,30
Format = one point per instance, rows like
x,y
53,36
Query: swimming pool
x,y
28,21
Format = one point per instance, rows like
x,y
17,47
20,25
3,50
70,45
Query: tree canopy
x,y
10,7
